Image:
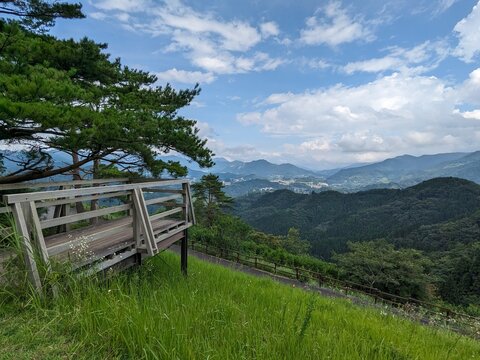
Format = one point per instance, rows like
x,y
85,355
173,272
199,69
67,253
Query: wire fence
x,y
426,312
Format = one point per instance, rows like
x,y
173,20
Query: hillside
x,y
407,170
330,219
154,312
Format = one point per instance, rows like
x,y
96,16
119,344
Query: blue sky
x,y
315,83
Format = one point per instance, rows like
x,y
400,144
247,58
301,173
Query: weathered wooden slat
x,y
39,235
166,213
147,228
5,209
162,199
79,199
42,185
110,262
171,240
87,239
163,237
172,191
190,202
30,263
105,253
172,226
44,195
83,216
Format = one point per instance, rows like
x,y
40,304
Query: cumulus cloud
x,y
394,114
468,33
215,45
336,26
186,77
474,114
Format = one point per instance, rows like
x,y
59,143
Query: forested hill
x,y
434,215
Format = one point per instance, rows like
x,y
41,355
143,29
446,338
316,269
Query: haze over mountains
x,y
261,175
399,172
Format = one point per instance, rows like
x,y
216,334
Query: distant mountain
x,y
394,173
260,169
330,219
466,167
407,170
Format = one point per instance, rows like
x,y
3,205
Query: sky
x,y
319,84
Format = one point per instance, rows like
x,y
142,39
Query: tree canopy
x,y
70,96
38,14
379,265
209,198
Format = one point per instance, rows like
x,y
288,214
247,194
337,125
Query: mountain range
x,y
241,178
398,172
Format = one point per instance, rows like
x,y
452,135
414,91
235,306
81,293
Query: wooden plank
x,y
83,216
109,263
190,201
104,253
168,227
28,254
171,240
162,199
5,209
166,213
87,238
39,235
142,211
185,202
172,232
137,226
173,191
44,195
41,185
49,203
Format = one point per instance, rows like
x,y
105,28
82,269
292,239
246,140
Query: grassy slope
x,y
215,314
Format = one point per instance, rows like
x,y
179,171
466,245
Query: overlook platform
x,y
99,224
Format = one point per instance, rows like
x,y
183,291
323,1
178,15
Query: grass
x,y
216,313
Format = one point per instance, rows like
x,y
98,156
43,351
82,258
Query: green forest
x,y
435,225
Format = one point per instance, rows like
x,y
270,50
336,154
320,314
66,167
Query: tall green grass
x,y
154,312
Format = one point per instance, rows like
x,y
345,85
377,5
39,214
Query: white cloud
x,y
123,5
269,28
469,91
416,60
97,15
444,5
215,45
474,114
334,28
249,118
468,33
186,77
403,114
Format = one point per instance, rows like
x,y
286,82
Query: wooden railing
x,y
149,216
56,185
